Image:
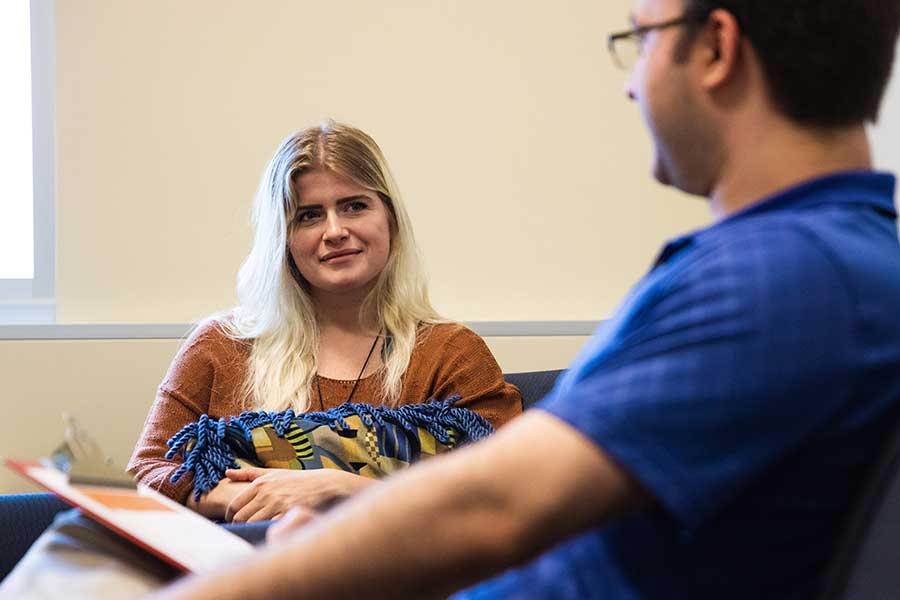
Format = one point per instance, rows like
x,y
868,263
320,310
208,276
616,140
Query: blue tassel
x,y
204,449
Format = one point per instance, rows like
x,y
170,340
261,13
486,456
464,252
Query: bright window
x,y
16,186
26,153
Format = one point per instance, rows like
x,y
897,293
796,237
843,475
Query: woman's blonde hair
x,y
275,311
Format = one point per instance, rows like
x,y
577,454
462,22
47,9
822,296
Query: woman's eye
x,y
357,206
307,216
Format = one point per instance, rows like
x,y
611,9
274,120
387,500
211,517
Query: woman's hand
x,y
212,505
270,493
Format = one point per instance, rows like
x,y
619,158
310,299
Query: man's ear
x,y
721,46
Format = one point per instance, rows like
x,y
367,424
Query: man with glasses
x,y
710,440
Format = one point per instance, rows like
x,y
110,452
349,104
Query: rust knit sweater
x,y
208,374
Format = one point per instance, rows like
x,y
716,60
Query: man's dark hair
x,y
827,62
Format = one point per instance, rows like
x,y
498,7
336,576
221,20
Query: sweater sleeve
x,y
463,364
182,397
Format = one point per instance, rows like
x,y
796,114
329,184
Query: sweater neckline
x,y
352,381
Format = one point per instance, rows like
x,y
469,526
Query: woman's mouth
x,y
339,254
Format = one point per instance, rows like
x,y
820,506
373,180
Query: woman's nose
x,y
334,228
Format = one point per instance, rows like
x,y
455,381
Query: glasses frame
x,y
638,33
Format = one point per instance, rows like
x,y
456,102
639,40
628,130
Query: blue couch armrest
x,y
23,517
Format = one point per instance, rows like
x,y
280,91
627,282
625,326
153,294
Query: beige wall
x,y
523,165
108,387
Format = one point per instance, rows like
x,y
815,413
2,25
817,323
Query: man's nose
x,y
629,87
631,83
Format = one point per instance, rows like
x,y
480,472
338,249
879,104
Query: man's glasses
x,y
626,47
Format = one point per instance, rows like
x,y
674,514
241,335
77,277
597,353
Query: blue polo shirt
x,y
747,382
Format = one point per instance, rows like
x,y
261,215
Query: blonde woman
x,y
333,308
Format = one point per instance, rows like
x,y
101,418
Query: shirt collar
x,y
860,188
852,187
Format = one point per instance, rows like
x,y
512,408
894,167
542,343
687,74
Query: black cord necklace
x,y
355,383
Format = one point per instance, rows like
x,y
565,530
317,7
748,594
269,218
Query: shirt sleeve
x,y
737,355
463,364
182,397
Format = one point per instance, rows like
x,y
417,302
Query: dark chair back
x,y
534,385
867,563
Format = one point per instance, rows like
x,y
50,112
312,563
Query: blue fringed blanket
x,y
371,441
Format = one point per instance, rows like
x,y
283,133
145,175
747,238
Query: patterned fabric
x,y
359,438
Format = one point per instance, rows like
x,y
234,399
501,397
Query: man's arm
x,y
442,525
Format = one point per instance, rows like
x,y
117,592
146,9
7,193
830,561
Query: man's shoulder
x,y
841,244
758,253
750,279
763,237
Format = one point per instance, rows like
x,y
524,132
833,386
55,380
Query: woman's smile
x,y
340,256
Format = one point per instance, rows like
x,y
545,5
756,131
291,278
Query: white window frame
x,y
32,300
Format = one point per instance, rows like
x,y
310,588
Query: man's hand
x,y
270,493
288,524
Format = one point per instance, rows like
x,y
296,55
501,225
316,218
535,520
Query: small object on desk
x,y
79,473
80,457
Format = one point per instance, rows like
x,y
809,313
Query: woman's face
x,y
340,236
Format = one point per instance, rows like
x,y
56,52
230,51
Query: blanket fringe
x,y
205,449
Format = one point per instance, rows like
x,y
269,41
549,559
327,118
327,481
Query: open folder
x,y
174,533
